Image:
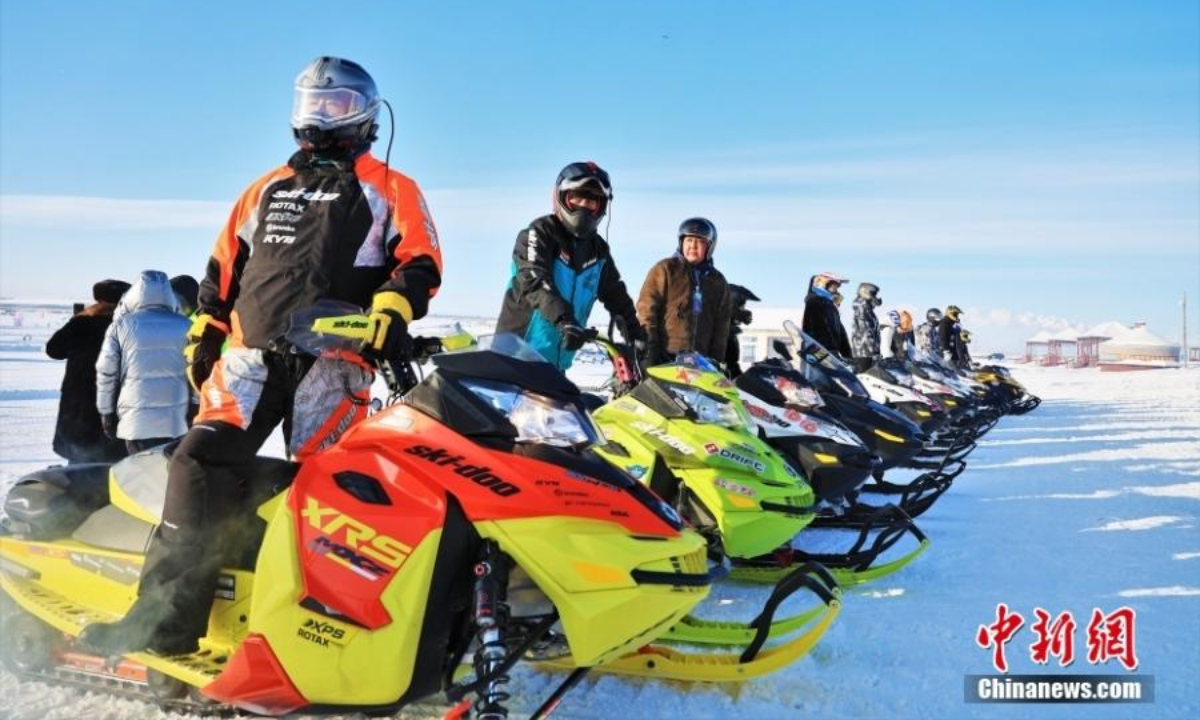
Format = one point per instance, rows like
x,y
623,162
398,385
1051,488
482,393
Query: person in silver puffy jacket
x,y
142,391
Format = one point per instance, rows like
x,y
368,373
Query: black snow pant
x,y
204,523
136,446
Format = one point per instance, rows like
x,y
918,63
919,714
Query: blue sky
x,y
1035,163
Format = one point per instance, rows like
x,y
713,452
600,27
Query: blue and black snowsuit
x,y
556,279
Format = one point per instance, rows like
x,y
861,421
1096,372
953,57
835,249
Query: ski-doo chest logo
x,y
321,633
362,549
479,474
726,454
305,194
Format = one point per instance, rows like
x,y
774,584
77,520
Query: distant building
x,y
1137,349
756,339
1087,345
1060,347
1037,348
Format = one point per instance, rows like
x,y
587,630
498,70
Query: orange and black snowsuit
x,y
312,231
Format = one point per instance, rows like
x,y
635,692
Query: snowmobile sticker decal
x,y
479,474
366,552
663,436
726,454
321,632
733,487
122,571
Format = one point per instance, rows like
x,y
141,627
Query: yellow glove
x,y
390,313
205,338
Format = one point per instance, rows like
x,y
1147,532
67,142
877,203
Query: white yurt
x,y
1087,345
1137,349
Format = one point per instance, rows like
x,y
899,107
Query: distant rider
x,y
822,322
866,337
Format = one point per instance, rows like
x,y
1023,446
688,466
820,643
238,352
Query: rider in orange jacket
x,y
333,223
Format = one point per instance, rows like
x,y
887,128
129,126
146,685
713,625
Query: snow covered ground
x,y
1089,502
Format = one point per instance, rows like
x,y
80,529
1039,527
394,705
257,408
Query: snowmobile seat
x,y
139,482
49,504
112,529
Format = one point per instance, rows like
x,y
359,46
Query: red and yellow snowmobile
x,y
471,523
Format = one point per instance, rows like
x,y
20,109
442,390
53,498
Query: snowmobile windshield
x,y
696,362
795,390
896,372
343,329
710,409
538,419
511,345
816,356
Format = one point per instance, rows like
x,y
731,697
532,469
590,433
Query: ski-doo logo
x,y
669,440
320,632
725,454
351,324
479,474
305,194
365,552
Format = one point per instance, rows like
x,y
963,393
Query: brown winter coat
x,y
665,310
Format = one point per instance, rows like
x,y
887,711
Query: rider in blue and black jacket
x,y
561,266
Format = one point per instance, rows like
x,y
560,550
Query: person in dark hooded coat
x,y
78,434
822,321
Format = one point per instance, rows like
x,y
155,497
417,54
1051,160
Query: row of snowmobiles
x,y
492,513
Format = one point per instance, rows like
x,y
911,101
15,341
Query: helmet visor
x,y
329,108
578,175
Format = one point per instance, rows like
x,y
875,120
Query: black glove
x,y
573,336
204,342
391,340
109,421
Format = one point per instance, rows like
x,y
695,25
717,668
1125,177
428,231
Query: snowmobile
x,y
896,440
683,429
835,461
1012,396
894,387
391,556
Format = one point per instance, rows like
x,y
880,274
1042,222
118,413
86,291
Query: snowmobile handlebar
x,y
397,370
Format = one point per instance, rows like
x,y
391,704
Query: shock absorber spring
x,y
491,616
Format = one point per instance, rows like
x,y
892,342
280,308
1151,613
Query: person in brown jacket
x,y
685,304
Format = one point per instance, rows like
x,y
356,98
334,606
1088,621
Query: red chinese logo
x,y
997,635
1054,638
1109,637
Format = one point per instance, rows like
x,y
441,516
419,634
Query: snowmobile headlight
x,y
712,410
538,419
